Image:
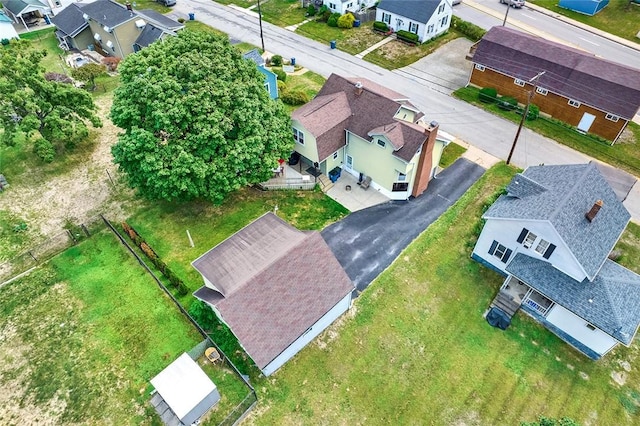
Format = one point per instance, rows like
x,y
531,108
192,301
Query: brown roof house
x,y
275,287
594,95
372,132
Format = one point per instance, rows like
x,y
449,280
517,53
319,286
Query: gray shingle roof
x,y
17,6
70,20
416,10
254,56
148,35
162,21
337,107
275,282
573,73
562,195
108,13
611,302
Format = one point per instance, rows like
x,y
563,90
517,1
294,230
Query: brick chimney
x,y
423,172
591,214
358,86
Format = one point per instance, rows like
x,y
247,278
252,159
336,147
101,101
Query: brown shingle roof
x,y
276,305
575,74
373,108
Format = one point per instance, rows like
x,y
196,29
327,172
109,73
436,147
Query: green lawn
x,y
416,350
616,18
451,153
83,335
46,39
352,41
240,3
309,82
624,154
282,12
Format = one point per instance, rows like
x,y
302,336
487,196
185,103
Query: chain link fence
x,y
47,249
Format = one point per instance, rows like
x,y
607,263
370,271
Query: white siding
x,y
399,22
326,320
577,328
506,232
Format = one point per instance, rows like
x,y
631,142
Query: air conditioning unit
x,y
140,23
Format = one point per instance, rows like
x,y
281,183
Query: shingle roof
x,y
108,13
573,73
338,107
4,18
148,35
416,10
611,302
275,282
562,195
254,56
17,6
70,20
162,21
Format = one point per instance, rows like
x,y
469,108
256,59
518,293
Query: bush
x,y
507,103
111,63
346,21
323,13
4,41
469,30
294,97
311,10
534,112
333,20
276,60
44,149
407,36
282,76
488,95
281,86
181,20
380,26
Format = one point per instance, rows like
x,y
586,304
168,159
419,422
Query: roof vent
x,y
140,23
358,86
591,214
85,16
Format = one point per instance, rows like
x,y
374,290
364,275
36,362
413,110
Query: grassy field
x,y
624,154
618,17
352,41
451,153
282,12
46,39
82,336
416,350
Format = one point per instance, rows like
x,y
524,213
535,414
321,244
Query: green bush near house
x,y
380,26
488,95
311,10
407,36
507,103
333,20
294,97
276,60
469,30
282,76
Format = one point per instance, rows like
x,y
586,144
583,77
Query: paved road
x,y
366,242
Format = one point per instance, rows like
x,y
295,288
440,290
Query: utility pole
x,y
260,19
504,22
530,95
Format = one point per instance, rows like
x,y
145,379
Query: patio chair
x,y
366,182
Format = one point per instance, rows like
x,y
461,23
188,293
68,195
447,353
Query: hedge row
x,y
470,30
155,259
407,36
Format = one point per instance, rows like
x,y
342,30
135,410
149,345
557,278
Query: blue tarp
x,y
588,7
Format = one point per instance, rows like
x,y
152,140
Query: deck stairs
x,y
505,302
325,183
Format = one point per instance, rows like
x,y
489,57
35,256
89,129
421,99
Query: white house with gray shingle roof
x,y
275,287
426,18
551,235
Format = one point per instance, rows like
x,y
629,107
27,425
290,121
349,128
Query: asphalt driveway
x,y
366,242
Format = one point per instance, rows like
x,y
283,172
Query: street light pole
x,y
530,95
260,20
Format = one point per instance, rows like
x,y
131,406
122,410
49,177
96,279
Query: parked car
x,y
167,2
513,3
455,2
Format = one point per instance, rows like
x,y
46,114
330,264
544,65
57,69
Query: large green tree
x,y
197,120
52,114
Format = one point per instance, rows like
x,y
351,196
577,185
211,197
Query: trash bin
x,y
192,16
356,23
334,174
293,61
332,43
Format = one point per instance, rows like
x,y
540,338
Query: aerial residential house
x,y
110,28
588,7
275,287
344,6
270,79
550,236
7,32
594,95
370,131
26,12
426,18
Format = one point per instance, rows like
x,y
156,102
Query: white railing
x,y
292,183
539,308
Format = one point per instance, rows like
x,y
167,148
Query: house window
x,y
518,82
381,143
529,239
574,104
545,248
402,177
349,5
332,5
500,251
590,327
542,91
612,117
480,67
400,187
335,155
444,21
413,28
386,18
266,86
441,8
298,136
430,29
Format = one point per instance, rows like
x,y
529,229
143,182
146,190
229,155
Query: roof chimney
x,y
591,214
433,125
129,7
358,86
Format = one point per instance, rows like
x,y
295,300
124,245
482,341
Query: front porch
x,y
514,293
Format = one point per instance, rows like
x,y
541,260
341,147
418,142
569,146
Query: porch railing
x,y
536,306
288,183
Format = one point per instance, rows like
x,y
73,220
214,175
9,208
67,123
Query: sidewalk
x,y
374,47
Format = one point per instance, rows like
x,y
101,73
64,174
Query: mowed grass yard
x,y
81,337
415,349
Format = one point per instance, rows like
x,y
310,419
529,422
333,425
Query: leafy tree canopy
x,y
88,73
198,121
50,113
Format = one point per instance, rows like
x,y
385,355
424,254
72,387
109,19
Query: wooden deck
x,y
506,303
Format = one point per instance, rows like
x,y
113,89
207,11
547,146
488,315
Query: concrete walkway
x,y
295,26
375,46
